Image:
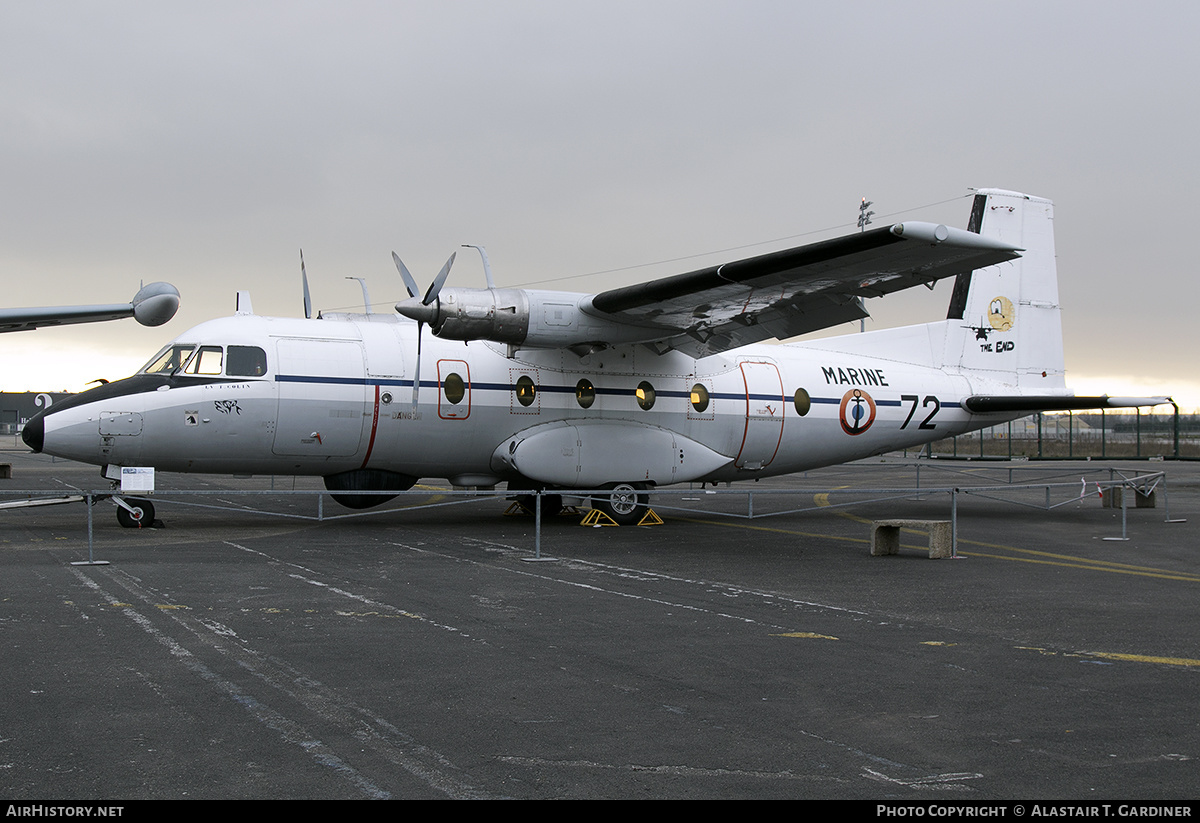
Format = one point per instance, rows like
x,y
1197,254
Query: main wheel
x,y
623,502
142,514
552,504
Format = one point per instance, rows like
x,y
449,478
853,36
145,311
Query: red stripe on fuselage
x,y
374,426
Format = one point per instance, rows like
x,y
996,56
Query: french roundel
x,y
857,411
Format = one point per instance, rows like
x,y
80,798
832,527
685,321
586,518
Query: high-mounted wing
x,y
781,295
795,291
153,305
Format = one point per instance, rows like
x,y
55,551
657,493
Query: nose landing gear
x,y
134,512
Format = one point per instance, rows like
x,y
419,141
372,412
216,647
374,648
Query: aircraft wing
x,y
153,305
795,291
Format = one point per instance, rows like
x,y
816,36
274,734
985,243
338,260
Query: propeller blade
x,y
417,370
436,286
304,283
410,282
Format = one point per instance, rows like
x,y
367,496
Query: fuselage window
x,y
645,395
169,359
803,402
206,361
454,387
246,361
526,390
699,397
585,393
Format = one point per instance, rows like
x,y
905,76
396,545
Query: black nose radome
x,y
34,433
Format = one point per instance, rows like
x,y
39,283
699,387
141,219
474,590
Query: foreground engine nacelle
x,y
522,317
501,315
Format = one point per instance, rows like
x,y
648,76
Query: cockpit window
x,y
169,359
246,361
206,361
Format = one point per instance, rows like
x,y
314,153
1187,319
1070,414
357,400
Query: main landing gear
x,y
625,503
552,504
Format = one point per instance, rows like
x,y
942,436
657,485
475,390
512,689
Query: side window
x,y
526,390
454,387
206,361
645,395
803,402
585,393
246,361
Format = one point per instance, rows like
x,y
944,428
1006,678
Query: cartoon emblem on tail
x,y
1001,314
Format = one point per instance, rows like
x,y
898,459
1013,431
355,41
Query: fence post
x,y
1103,452
1175,406
537,524
954,523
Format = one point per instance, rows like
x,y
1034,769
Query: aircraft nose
x,y
34,433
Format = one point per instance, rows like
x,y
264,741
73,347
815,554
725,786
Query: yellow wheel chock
x,y
595,517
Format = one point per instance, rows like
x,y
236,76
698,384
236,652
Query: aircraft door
x,y
322,398
454,389
764,415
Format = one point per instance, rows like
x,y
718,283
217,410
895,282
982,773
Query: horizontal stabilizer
x,y
983,404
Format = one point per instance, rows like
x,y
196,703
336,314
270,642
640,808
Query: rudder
x,y
1004,322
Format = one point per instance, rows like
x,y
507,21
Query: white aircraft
x,y
624,390
153,305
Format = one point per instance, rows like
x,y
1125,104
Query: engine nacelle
x,y
501,315
521,317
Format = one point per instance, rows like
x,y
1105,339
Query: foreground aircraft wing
x,y
153,305
795,291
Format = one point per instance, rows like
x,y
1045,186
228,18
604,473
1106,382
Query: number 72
x,y
928,401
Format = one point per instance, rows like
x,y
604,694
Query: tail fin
x,y
1004,324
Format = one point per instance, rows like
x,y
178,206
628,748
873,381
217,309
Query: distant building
x,y
17,407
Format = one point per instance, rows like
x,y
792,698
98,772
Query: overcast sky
x,y
206,143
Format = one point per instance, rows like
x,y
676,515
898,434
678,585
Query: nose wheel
x,y
134,513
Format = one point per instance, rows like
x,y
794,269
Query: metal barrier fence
x,y
1103,435
771,502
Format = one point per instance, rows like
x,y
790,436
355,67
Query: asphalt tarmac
x,y
231,653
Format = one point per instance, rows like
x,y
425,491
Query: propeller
x,y
420,310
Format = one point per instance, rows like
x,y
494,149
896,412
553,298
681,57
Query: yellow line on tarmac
x,y
1128,658
769,529
1036,557
1145,658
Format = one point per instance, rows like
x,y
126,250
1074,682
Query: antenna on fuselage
x,y
487,267
243,303
366,297
304,284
